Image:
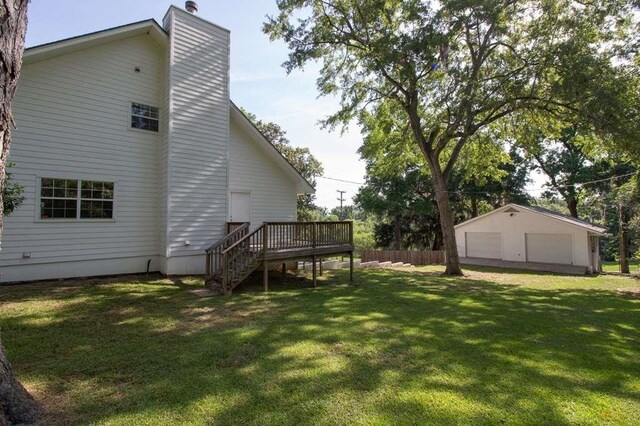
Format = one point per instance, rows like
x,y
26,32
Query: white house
x,y
531,237
132,156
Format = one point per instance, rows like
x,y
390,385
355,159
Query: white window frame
x,y
38,211
130,115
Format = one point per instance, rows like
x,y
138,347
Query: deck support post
x,y
320,266
315,282
265,276
351,267
284,271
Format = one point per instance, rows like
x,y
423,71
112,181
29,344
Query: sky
x,y
258,81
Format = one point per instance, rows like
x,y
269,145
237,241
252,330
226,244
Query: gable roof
x,y
85,41
303,186
595,229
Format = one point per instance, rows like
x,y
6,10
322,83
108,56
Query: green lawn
x,y
634,266
396,347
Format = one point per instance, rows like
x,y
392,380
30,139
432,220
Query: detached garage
x,y
530,238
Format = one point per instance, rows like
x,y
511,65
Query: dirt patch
x,y
198,318
633,292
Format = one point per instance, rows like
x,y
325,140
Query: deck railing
x,y
303,235
243,254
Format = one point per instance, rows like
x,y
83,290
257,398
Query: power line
x,y
341,180
482,192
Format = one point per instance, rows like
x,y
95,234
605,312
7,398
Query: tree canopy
x,y
456,67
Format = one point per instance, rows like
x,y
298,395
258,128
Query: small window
x,y
144,117
75,199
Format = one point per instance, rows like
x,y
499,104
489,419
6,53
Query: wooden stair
x,y
232,259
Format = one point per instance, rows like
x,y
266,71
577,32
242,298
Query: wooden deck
x,y
231,260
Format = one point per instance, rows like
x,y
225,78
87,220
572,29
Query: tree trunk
x,y
13,27
474,207
397,234
446,221
572,205
622,234
16,405
437,241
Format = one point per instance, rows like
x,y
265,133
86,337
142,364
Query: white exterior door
x,y
550,248
240,207
487,245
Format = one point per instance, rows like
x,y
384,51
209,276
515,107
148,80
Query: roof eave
x,y
85,41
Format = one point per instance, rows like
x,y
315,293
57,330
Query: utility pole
x,y
342,200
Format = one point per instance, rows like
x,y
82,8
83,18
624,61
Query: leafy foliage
x,y
12,193
400,193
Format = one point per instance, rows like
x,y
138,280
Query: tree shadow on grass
x,y
396,347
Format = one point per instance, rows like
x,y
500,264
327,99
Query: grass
x,y
401,347
634,266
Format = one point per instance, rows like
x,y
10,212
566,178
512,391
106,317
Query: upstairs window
x,y
76,199
144,117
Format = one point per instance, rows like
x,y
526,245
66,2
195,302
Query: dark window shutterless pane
x,y
96,210
144,117
47,183
46,192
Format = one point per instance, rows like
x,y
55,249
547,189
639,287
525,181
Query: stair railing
x,y
214,252
241,258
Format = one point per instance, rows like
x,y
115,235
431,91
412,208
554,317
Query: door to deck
x,y
240,207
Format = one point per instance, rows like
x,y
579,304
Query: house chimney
x,y
191,6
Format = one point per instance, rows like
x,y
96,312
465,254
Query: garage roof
x,y
596,229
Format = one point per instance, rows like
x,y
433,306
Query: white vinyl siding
x,y
73,122
273,193
487,245
199,133
550,248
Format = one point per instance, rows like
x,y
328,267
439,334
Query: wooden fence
x,y
413,257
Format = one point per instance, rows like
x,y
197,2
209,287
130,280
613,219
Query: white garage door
x,y
550,248
487,245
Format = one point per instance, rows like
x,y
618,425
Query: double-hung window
x,y
75,199
144,117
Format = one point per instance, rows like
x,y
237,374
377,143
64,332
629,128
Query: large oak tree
x,y
454,67
16,405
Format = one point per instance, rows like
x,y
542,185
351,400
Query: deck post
x,y
315,282
265,263
320,266
265,275
284,271
351,266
